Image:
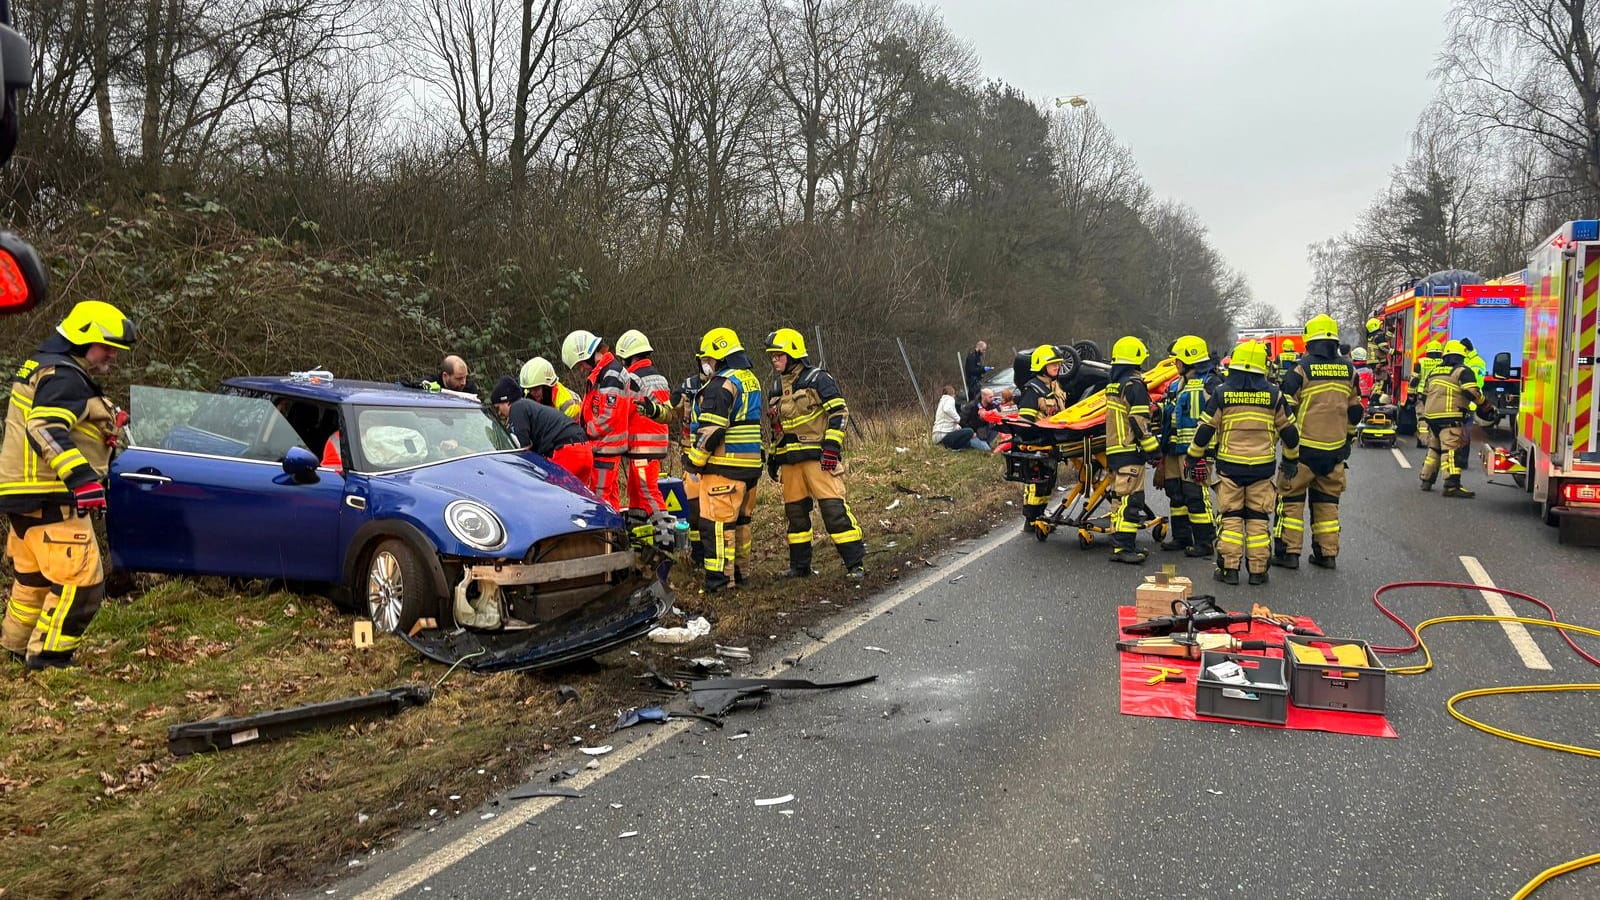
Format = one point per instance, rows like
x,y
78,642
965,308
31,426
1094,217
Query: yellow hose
x,y
1570,865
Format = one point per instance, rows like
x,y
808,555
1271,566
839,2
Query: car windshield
x,y
400,437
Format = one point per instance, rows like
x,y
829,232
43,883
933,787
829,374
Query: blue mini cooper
x,y
416,508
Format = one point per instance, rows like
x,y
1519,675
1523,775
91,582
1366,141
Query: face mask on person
x,y
707,368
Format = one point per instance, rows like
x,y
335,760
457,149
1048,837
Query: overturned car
x,y
416,508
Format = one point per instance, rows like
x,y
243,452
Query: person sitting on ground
x,y
979,415
947,430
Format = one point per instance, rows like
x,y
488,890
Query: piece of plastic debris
x,y
616,806
564,774
785,812
1213,791
775,801
957,578
535,793
640,714
902,449
455,796
596,751
593,764
739,737
739,653
361,818
699,777
694,629
485,817
566,694
432,813
875,649
894,505
628,834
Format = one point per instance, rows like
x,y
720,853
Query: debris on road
x,y
566,694
535,793
876,649
735,653
739,737
692,630
775,801
893,506
707,666
596,751
628,834
957,578
564,774
636,715
718,696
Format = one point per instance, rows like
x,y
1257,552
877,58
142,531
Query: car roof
x,y
344,390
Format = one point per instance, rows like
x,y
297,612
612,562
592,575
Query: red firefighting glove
x,y
89,497
120,422
1199,469
830,457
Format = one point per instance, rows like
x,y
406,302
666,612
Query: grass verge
x,y
92,804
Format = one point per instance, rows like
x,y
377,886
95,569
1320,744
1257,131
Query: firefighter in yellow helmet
x,y
60,433
726,454
1130,444
1042,397
1192,526
1451,393
807,415
1246,419
1325,398
538,382
1417,398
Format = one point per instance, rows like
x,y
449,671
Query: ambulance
x,y
1556,433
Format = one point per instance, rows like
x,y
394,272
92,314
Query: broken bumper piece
x,y
625,612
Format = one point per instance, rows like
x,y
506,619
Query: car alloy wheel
x,y
386,590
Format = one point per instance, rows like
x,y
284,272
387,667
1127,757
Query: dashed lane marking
x,y
1400,458
478,838
1521,640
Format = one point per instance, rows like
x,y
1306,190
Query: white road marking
x,y
480,837
1521,640
1400,458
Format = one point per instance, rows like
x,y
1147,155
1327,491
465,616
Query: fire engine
x,y
1556,434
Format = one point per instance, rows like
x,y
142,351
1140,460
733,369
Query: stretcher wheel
x,y
1159,532
1085,539
1041,531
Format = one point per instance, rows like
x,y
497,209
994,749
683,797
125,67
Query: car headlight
x,y
475,525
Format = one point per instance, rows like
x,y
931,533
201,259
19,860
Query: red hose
x,y
1416,643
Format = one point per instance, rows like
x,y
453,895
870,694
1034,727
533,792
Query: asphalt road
x,y
989,759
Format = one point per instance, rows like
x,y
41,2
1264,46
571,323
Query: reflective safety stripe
x,y
53,414
800,537
66,462
1229,536
1325,527
1258,540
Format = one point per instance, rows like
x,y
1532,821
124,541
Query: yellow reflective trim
x,y
709,419
65,462
10,488
846,537
800,537
54,413
53,640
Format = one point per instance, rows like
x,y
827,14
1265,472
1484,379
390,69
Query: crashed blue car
x,y
416,508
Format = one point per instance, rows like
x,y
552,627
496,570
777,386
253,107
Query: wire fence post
x,y
961,366
906,357
822,356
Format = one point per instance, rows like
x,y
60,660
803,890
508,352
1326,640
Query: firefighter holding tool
x,y
60,433
808,417
1193,525
1325,398
1246,418
1451,393
1042,397
727,455
1130,444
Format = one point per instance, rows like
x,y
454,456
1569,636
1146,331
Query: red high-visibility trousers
x,y
644,488
577,459
607,484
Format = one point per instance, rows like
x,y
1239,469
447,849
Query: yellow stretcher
x,y
1075,439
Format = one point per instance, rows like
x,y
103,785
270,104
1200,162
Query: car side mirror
x,y
300,464
1502,364
24,281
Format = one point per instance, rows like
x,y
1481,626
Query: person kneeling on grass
x,y
947,430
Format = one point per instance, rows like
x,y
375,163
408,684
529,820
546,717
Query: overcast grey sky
x,y
1276,120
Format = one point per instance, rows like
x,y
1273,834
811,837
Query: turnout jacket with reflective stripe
x,y
1128,436
647,437
55,431
806,414
1325,399
607,406
727,424
1451,392
1246,418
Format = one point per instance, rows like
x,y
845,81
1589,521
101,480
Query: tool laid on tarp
x,y
1188,646
1165,673
1203,614
234,731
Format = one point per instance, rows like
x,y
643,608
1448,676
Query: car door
x,y
202,490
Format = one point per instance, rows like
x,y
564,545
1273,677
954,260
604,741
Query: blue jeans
x,y
963,439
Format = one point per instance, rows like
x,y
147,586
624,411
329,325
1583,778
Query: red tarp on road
x,y
1175,700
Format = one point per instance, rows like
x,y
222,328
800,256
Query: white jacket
x,y
945,418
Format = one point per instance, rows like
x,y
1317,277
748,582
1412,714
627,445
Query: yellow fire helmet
x,y
787,341
1044,355
1374,325
580,346
1322,328
1191,350
633,343
1129,351
1433,348
1250,356
718,343
536,372
1455,348
98,322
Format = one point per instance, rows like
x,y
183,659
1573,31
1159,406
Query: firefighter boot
x,y
1281,557
1181,533
1226,576
798,515
1123,549
846,534
1458,492
1427,484
1258,578
1327,562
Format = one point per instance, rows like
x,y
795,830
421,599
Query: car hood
x,y
533,498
